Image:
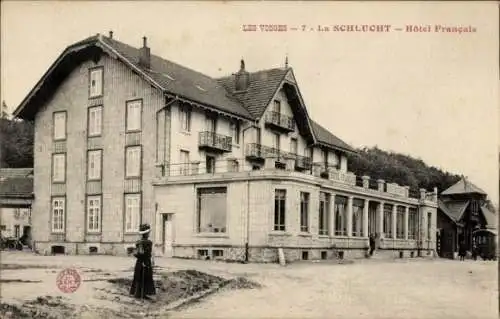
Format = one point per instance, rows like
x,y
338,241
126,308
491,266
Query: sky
x,y
431,95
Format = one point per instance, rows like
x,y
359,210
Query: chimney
x,y
111,34
145,54
242,78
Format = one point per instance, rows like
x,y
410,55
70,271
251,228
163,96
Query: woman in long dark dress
x,y
462,251
143,284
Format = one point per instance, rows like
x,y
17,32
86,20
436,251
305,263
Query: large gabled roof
x,y
262,88
454,209
463,186
166,75
186,84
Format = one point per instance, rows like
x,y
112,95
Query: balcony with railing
x,y
214,142
302,162
195,171
280,122
256,151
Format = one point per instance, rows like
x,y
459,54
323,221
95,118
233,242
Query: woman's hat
x,y
144,229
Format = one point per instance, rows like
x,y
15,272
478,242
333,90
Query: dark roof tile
x,y
262,87
16,182
463,186
182,81
326,137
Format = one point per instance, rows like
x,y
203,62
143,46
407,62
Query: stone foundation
x,y
114,249
237,254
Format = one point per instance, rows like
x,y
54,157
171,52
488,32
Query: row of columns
x,y
379,219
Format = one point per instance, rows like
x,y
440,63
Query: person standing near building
x,y
372,244
143,283
462,250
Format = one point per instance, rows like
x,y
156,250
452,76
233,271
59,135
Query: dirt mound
x,y
243,283
175,285
42,307
174,289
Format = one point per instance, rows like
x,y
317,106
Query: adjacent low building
x,y
230,168
463,213
16,198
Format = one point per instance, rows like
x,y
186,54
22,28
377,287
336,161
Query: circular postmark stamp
x,y
68,280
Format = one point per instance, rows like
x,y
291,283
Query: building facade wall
x,y
120,85
256,196
12,217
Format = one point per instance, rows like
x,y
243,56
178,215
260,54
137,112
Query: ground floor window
x,y
429,226
132,212
324,213
212,210
58,215
412,223
357,217
388,221
340,216
400,222
279,209
94,213
304,212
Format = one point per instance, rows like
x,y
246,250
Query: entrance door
x,y
447,243
168,235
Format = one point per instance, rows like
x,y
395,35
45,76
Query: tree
x,y
16,138
399,168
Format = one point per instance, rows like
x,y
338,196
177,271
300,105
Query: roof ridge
x,y
162,58
253,73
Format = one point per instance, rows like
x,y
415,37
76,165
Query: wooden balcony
x,y
214,142
279,122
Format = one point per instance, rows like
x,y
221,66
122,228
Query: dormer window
x,y
96,82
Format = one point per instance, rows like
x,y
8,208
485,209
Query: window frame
x,y
387,215
340,227
92,70
210,159
99,214
279,218
53,168
324,214
304,212
52,215
412,223
128,103
89,177
184,166
293,141
400,222
277,106
65,126
235,132
183,109
232,165
99,133
199,192
357,216
139,174
429,226
134,226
